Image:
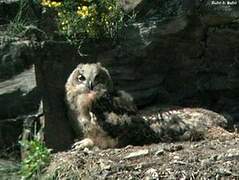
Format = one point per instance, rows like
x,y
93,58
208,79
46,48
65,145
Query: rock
x,y
104,165
206,163
14,57
19,96
51,77
224,172
174,148
232,154
151,174
137,154
214,158
159,152
8,10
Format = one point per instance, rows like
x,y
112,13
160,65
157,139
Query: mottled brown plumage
x,y
106,118
90,93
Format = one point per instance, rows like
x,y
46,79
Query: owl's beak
x,y
90,85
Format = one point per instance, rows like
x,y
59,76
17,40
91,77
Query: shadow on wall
x,y
18,103
15,106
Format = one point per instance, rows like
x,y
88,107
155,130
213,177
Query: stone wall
x,y
187,68
19,96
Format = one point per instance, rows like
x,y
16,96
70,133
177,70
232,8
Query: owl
x,y
91,99
105,117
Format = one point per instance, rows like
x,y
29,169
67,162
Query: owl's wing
x,y
118,102
123,102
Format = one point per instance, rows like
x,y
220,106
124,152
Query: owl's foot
x,y
85,143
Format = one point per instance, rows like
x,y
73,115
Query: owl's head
x,y
89,77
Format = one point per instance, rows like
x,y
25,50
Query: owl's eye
x,y
81,78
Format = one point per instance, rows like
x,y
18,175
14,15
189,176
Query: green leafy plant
x,y
16,27
20,21
37,157
88,19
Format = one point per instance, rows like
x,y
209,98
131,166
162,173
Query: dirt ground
x,y
215,157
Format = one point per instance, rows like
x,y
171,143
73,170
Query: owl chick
x,y
90,93
104,117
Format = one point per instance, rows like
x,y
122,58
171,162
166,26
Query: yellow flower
x,y
49,3
45,2
84,8
56,4
83,11
110,7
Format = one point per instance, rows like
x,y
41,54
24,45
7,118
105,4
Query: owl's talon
x,y
85,143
